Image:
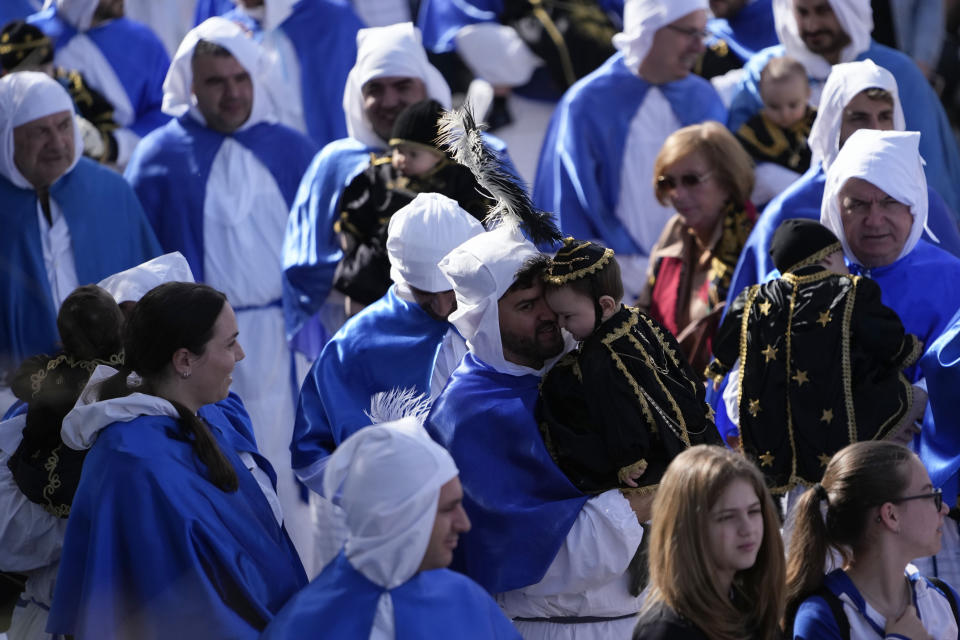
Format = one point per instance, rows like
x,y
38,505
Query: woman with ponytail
x,y
875,510
173,532
716,558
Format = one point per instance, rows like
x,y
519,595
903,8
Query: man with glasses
x,y
596,164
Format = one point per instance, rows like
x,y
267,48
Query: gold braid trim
x,y
618,333
53,483
638,466
639,491
893,420
915,349
37,379
716,371
11,47
790,433
846,367
585,271
551,28
778,141
744,325
817,257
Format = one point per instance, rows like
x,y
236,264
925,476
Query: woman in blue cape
x,y
172,531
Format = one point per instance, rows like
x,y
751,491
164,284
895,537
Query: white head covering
x,y
421,234
271,14
845,82
178,95
384,52
481,270
132,284
24,97
388,477
890,161
642,19
77,13
855,17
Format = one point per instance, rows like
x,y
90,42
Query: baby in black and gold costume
x,y
615,411
820,360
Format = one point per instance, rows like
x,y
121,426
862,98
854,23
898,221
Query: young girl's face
x,y
735,529
575,311
785,101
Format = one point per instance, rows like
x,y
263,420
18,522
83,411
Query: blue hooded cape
x,y
578,175
921,110
520,503
170,168
155,550
431,604
940,436
109,233
390,344
751,30
136,54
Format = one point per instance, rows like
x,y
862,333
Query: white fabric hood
x,y
133,284
856,18
642,19
77,13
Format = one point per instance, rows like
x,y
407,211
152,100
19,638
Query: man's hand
x,y
642,504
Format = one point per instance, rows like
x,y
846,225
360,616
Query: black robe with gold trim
x,y
626,398
821,361
768,142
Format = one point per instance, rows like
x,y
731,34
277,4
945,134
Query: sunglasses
x,y
936,494
689,180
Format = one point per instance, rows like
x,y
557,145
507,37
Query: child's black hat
x,y
577,258
23,43
799,242
417,124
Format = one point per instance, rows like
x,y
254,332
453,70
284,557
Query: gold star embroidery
x,y
766,459
827,416
765,307
824,459
824,318
754,408
770,353
800,377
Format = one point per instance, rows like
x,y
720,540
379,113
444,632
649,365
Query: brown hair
x,y
731,165
681,573
531,271
605,281
859,478
782,68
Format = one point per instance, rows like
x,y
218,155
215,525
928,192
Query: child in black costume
x,y
615,411
415,164
820,360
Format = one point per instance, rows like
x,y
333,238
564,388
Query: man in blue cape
x,y
746,26
822,33
311,45
120,58
404,515
217,183
402,341
596,165
66,219
391,73
550,555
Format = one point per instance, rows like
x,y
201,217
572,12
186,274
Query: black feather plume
x,y
463,139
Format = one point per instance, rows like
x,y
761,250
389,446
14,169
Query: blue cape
x,y
578,175
16,10
136,54
390,344
520,503
155,550
324,35
802,200
109,233
431,604
921,110
940,436
170,168
751,30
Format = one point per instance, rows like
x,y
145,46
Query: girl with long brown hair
x,y
716,557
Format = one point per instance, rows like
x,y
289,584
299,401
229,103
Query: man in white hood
x,y
555,560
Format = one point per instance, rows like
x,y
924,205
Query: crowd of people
x,y
472,319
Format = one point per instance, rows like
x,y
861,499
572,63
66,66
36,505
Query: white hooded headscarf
x,y
642,19
385,52
178,97
421,234
855,17
133,284
77,13
890,161
845,82
480,271
387,479
24,97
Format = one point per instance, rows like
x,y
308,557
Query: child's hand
x,y
630,475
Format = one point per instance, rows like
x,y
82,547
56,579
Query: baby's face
x,y
413,160
575,311
785,101
835,262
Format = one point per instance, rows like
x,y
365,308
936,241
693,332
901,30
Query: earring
x,y
184,374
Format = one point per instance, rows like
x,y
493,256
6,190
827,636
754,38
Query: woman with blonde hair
x,y
877,510
716,557
706,176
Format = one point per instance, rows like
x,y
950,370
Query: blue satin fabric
x,y
751,30
155,550
109,233
390,344
921,110
170,168
432,604
520,503
578,175
940,436
136,55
